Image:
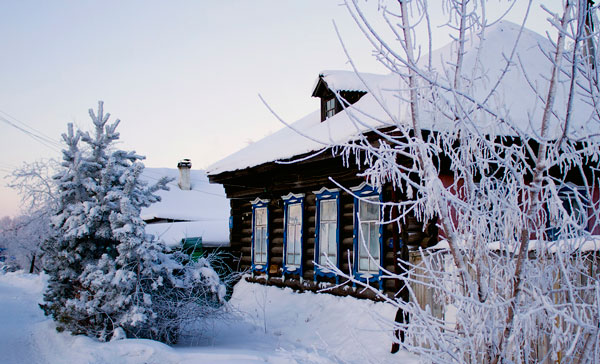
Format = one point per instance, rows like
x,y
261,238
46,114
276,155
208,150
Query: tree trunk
x,y
32,265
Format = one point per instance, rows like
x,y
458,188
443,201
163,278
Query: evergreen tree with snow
x,y
105,273
71,245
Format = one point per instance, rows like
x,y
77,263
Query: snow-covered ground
x,y
300,328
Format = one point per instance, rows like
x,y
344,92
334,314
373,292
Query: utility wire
x,y
38,132
46,142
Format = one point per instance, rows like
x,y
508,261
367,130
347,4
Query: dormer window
x,y
348,90
330,108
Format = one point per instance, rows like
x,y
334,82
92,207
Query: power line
x,y
46,142
38,132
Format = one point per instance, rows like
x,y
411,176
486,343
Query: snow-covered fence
x,y
421,277
568,292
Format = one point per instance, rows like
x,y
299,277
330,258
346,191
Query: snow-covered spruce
x,y
105,272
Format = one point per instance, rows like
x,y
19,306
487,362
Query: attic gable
x,y
348,85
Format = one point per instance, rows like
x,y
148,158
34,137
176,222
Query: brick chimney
x,y
184,166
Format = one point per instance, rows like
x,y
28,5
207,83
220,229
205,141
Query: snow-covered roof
x,y
582,244
204,208
212,232
349,80
517,105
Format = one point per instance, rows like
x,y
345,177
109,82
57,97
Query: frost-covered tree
x,y
24,234
105,273
517,270
73,242
22,238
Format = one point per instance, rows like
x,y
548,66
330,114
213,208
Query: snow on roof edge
x,y
515,105
342,80
583,244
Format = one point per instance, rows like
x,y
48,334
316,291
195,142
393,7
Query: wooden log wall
x,y
240,235
241,241
272,182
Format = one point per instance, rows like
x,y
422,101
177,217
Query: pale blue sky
x,y
183,76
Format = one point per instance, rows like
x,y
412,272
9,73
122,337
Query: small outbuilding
x,y
191,211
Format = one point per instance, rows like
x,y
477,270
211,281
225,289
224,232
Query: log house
x,y
288,213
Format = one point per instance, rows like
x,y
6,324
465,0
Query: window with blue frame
x,y
367,230
260,234
327,229
292,235
574,202
368,241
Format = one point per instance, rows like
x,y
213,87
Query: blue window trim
x,y
325,194
365,191
564,194
291,199
259,203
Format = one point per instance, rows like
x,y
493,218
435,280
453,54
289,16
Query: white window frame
x,y
364,193
364,252
293,201
325,195
326,226
260,233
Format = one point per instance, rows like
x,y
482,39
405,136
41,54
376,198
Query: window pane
x,y
257,242
290,250
294,214
332,238
293,234
369,246
374,240
260,245
328,210
330,104
256,251
263,238
297,235
323,243
260,216
327,230
363,264
330,108
363,240
369,210
571,203
327,242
